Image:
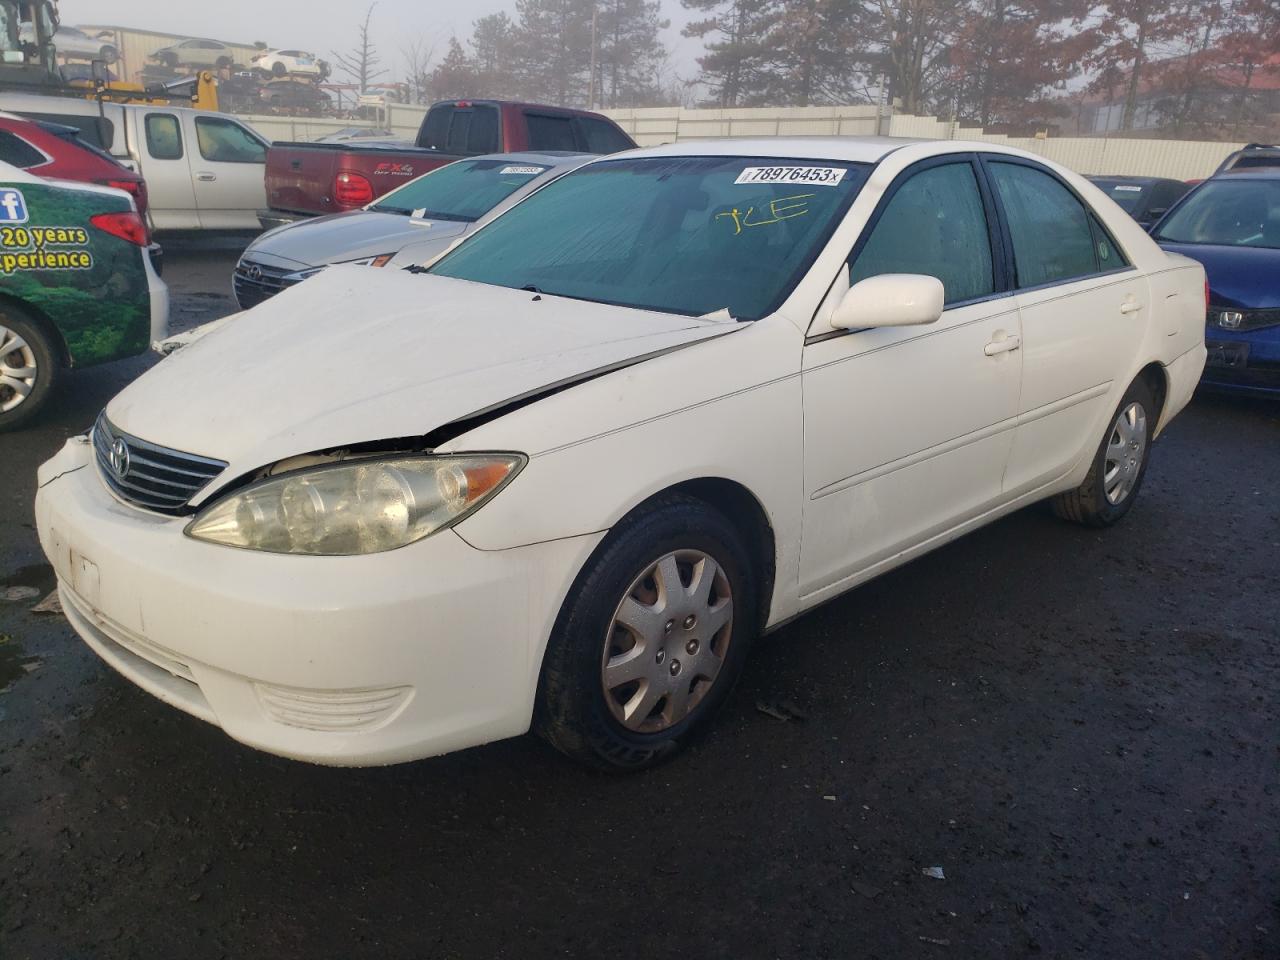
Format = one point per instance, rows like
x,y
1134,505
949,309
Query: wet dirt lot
x,y
1080,728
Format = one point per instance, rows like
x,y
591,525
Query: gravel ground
x,y
1081,729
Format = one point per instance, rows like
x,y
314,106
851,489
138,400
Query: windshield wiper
x,y
385,208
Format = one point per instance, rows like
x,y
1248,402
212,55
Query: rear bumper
x,y
270,219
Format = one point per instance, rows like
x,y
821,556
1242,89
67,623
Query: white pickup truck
x,y
204,170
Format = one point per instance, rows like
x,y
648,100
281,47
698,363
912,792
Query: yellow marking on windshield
x,y
781,208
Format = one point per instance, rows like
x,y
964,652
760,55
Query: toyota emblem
x,y
254,273
118,457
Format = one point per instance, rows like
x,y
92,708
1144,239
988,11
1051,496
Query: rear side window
x,y
1049,227
934,224
550,133
15,150
164,136
601,136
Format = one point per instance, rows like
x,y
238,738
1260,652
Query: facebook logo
x,y
13,206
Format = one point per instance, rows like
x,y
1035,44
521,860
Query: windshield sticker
x,y
783,208
810,176
1124,189
524,171
23,248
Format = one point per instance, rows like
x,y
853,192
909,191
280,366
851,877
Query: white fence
x,y
1180,159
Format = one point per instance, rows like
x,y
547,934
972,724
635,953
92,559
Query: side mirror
x,y
890,300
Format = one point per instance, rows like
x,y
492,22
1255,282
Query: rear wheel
x,y
29,367
278,69
651,639
1119,466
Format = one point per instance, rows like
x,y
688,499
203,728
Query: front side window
x,y
222,141
164,136
1049,227
687,235
463,191
1228,213
935,225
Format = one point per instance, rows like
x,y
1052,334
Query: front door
x,y
229,166
907,430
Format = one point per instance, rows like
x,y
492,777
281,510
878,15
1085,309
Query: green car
x,y
76,286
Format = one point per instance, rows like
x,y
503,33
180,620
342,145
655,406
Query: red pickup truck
x,y
307,179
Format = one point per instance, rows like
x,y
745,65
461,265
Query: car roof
x,y
553,158
851,149
1249,173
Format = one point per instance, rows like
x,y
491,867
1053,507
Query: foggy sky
x,y
324,26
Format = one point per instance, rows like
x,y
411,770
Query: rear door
x,y
229,167
1084,310
163,150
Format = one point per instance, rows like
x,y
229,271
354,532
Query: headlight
x,y
362,506
381,260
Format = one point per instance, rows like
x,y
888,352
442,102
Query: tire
x,y
278,69
108,55
24,346
1103,498
576,712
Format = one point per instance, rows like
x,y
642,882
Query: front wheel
x,y
279,69
651,639
29,368
1118,468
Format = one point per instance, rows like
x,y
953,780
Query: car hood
x,y
349,236
1245,277
356,355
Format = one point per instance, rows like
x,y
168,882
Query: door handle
x,y
206,177
1006,345
1130,306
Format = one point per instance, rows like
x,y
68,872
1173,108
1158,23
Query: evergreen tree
x,y
737,66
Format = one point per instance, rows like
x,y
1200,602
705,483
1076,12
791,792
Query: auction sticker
x,y
810,176
521,170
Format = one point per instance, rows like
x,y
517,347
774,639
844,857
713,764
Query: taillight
x,y
127,226
1206,294
135,188
352,190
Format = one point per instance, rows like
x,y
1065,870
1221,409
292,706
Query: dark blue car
x,y
1231,224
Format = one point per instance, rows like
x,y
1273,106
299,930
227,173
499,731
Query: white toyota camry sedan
x,y
561,477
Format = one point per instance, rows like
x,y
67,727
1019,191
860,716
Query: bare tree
x,y
361,62
418,57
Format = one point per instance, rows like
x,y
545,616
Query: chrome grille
x,y
255,282
149,476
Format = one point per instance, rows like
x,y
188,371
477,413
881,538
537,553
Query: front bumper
x,y
338,660
1245,362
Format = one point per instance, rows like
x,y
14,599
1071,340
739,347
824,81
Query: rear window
x,y
95,130
550,133
460,130
15,150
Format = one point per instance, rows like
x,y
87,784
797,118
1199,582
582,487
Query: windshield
x,y
1127,195
1232,213
689,235
465,190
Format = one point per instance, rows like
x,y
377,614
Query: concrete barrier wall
x,y
1180,159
